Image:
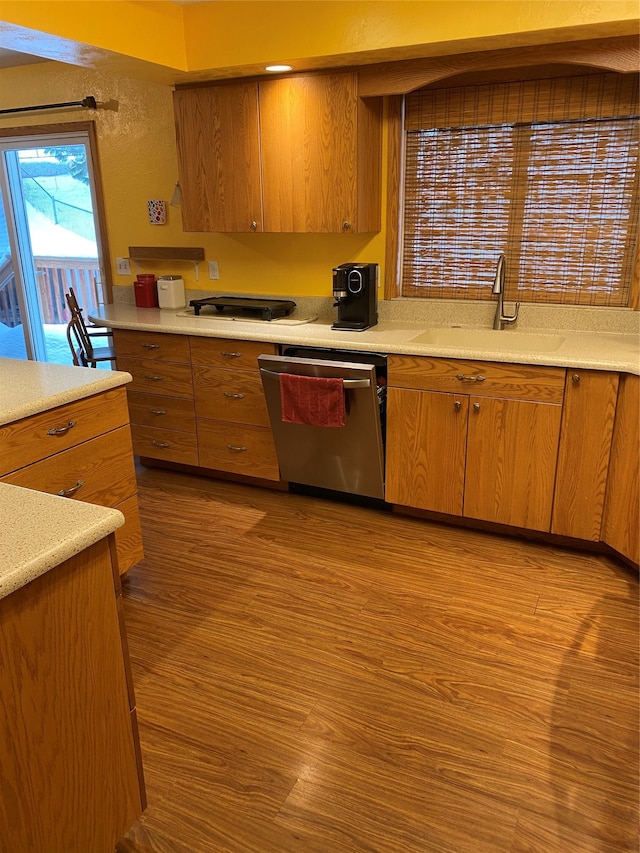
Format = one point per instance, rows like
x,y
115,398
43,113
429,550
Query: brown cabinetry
x,y
80,450
477,439
621,524
160,397
198,401
71,770
296,154
232,419
585,444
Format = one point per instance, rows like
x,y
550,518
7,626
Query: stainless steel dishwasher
x,y
347,459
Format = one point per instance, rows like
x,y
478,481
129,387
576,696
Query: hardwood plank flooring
x,y
323,678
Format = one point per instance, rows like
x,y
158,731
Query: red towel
x,y
312,400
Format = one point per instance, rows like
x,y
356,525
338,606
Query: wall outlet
x,y
123,267
214,272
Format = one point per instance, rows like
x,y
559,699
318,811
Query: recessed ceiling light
x,y
276,68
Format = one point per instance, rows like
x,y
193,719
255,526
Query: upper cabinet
x,y
295,154
217,133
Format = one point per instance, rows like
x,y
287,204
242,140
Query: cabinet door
x,y
621,527
426,439
219,157
585,445
230,395
308,129
512,449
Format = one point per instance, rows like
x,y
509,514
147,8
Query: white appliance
x,y
171,291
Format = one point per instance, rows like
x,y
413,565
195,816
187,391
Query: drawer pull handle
x,y
160,443
463,377
239,448
156,411
151,346
68,493
152,378
61,430
227,354
234,396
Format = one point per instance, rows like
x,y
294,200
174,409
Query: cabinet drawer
x,y
154,410
230,395
239,449
129,536
31,439
167,444
173,380
220,352
481,378
99,471
154,345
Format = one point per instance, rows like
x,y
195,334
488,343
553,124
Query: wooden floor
x,y
320,678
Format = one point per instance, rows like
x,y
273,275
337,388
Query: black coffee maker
x,y
355,289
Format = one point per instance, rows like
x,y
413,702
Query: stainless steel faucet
x,y
501,318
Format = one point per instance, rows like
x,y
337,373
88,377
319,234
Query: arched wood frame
x,y
395,79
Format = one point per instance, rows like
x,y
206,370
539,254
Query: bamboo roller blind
x,y
544,171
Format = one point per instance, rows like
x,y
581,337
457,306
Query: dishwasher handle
x,y
348,383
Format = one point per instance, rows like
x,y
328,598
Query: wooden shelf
x,y
167,253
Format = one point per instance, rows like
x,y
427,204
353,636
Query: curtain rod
x,y
89,102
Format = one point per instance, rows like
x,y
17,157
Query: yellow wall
x,y
137,142
138,162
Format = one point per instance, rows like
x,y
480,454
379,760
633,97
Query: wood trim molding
x,y
101,220
395,147
620,54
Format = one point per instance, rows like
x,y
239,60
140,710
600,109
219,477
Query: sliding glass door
x,y
48,242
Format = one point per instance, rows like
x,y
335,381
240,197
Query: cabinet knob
x,y
575,378
254,225
457,404
346,225
476,406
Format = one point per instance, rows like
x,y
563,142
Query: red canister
x,y
145,291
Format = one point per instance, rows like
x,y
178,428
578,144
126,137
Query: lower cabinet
x,y
198,401
484,455
585,446
81,450
160,398
621,526
71,770
234,432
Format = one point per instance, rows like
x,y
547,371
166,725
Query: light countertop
x,y
29,387
39,531
562,347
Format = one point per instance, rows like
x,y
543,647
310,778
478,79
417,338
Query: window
x,y
544,171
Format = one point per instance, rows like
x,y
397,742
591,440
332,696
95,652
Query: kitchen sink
x,y
489,339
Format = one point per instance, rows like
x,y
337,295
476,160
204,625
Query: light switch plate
x,y
214,272
123,267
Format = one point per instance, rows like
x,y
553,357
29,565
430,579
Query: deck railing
x,y
54,278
